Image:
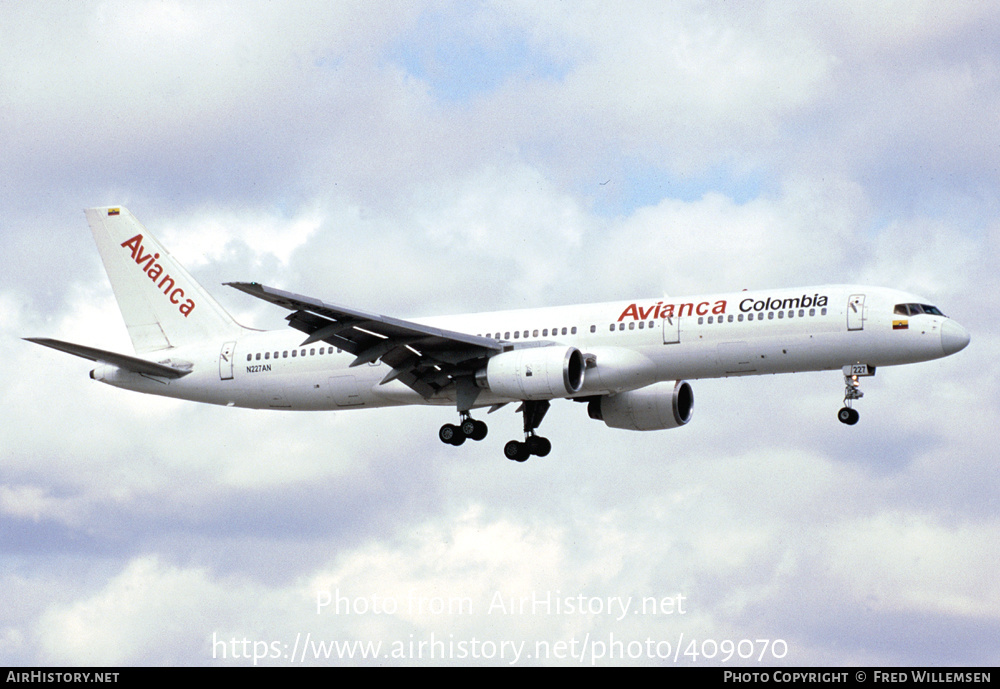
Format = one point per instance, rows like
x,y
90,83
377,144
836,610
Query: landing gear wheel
x,y
516,450
539,446
451,435
848,416
476,430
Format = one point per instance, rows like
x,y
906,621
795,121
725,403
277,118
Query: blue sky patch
x,y
464,59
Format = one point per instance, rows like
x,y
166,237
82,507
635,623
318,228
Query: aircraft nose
x,y
954,338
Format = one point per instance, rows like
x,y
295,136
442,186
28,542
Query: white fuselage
x,y
630,345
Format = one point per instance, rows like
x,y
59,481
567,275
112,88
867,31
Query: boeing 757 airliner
x,y
628,361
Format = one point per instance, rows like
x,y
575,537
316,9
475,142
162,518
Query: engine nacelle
x,y
653,408
534,373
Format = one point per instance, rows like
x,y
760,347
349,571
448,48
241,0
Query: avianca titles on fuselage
x,y
628,361
660,309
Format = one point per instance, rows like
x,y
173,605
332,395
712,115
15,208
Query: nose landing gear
x,y
852,391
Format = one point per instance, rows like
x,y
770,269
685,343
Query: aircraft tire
x,y
539,446
451,435
848,416
475,430
516,451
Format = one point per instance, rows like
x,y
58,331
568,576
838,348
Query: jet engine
x,y
653,408
534,373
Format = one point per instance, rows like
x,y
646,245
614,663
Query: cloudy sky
x,y
424,158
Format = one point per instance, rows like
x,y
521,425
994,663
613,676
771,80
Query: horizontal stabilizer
x,y
129,363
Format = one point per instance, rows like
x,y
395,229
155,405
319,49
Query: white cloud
x,y
905,561
145,614
35,503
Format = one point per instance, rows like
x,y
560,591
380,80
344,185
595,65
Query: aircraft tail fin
x,y
161,303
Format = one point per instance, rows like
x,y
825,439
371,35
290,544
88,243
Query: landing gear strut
x,y
534,412
468,427
852,391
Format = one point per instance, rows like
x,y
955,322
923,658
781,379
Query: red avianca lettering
x,y
154,270
661,310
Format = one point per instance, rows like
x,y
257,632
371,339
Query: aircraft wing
x,y
129,363
425,358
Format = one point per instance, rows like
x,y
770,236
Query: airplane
x,y
629,361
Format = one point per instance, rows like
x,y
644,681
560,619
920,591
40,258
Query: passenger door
x,y
856,312
672,330
226,361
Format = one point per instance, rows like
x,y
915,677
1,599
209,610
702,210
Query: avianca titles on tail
x,y
154,270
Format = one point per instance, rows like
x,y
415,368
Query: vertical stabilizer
x,y
161,303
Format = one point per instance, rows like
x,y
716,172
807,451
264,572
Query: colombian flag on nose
x,y
900,325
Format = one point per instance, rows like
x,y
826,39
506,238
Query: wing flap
x,y
361,322
425,358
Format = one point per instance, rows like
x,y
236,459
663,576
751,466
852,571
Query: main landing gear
x,y
515,450
534,412
467,428
852,391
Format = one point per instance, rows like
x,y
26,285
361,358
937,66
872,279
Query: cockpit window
x,y
916,310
